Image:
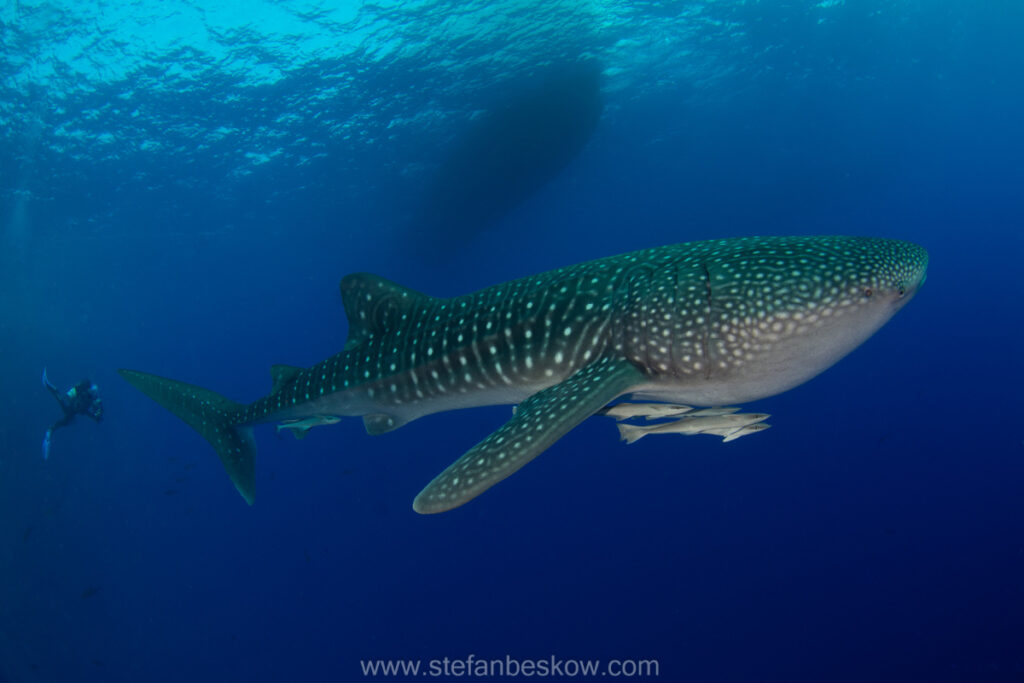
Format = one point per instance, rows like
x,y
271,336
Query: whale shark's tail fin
x,y
213,416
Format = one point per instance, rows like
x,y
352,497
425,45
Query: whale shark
x,y
708,323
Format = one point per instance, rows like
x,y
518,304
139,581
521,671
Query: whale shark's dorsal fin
x,y
374,304
281,375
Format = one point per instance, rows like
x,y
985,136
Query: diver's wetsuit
x,y
81,399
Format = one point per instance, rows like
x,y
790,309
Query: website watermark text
x,y
472,666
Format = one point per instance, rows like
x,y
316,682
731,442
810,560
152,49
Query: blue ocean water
x,y
183,184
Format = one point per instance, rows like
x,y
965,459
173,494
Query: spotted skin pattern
x,y
701,323
541,420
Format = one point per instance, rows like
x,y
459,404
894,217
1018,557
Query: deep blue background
x,y
875,533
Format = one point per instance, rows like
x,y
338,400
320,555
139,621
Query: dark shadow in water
x,y
510,152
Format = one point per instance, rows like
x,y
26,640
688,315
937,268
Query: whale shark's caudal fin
x,y
213,416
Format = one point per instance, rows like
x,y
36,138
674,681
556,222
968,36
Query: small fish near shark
x,y
708,323
729,427
300,428
648,411
726,422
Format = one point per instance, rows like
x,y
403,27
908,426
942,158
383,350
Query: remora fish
x,y
300,428
730,434
702,323
648,411
721,425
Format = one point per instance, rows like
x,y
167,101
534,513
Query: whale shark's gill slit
x,y
705,340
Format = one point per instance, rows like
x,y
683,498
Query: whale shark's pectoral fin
x,y
538,422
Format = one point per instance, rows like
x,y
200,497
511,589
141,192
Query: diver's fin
x,y
374,304
538,422
281,375
47,383
213,416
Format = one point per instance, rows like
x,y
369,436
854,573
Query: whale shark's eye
x,y
868,292
901,291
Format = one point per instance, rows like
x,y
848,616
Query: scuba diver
x,y
81,399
